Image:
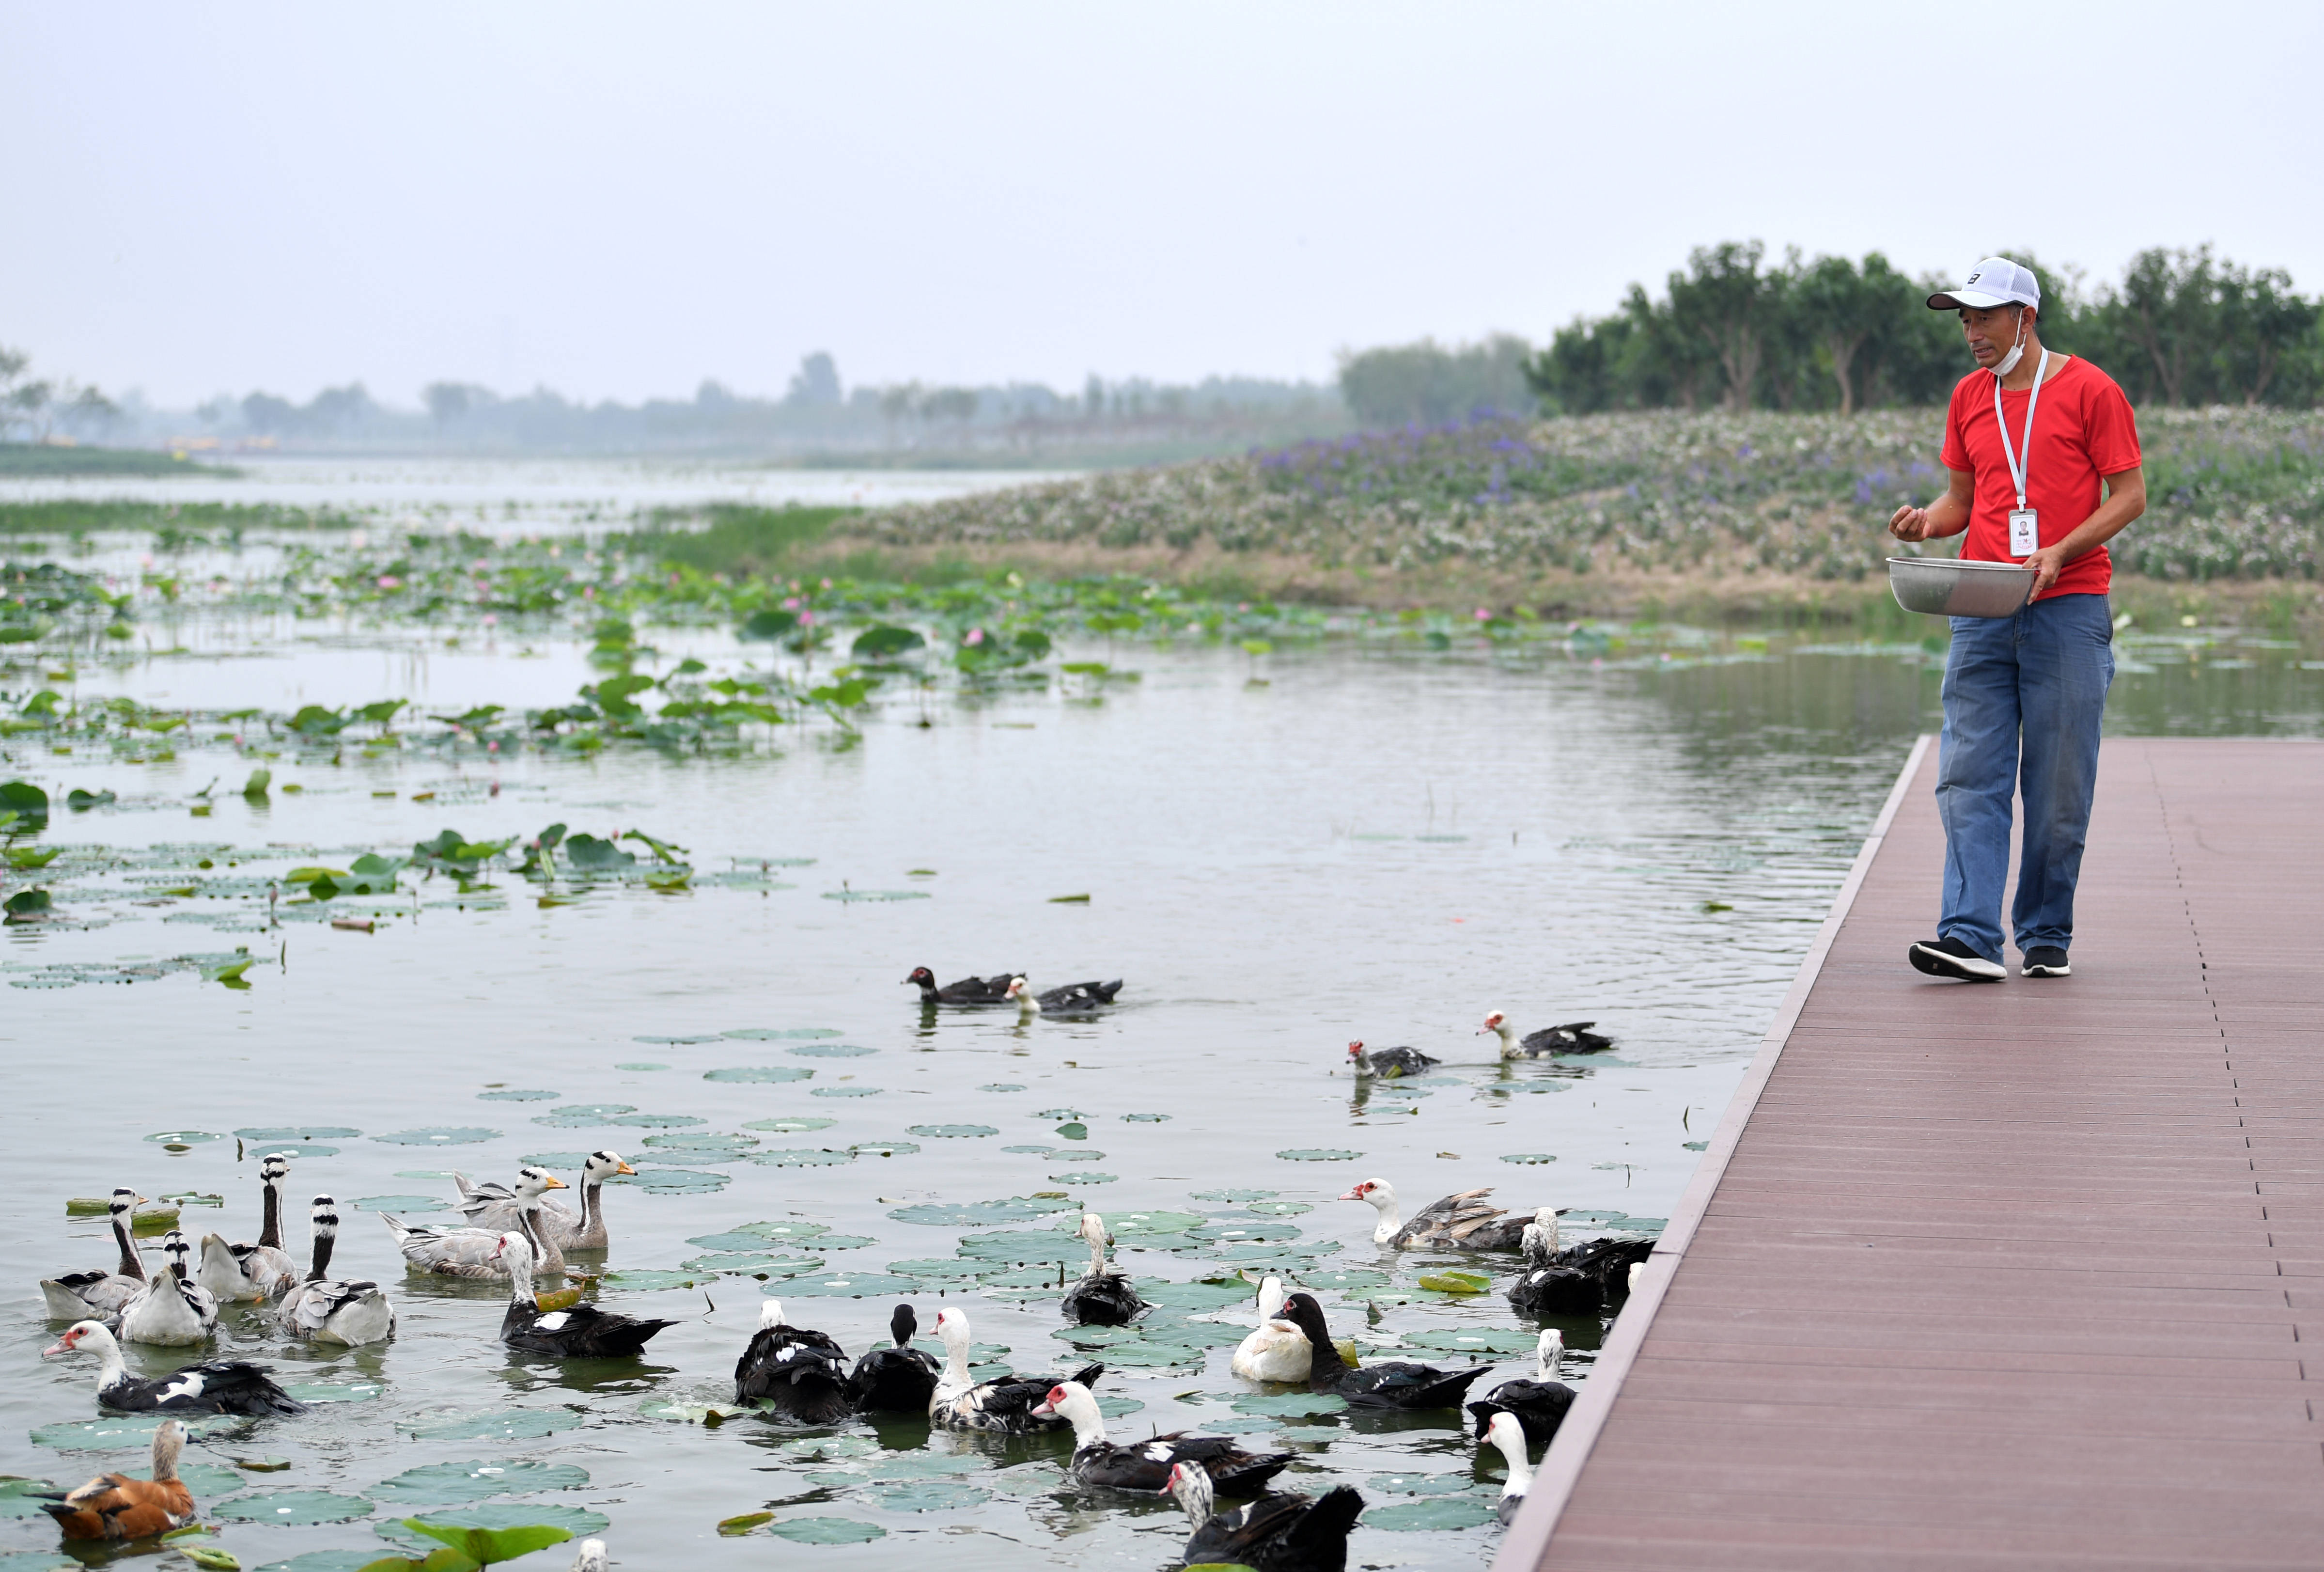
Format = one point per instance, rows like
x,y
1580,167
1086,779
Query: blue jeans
x,y
2023,697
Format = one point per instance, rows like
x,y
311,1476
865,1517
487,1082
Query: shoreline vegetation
x,y
66,460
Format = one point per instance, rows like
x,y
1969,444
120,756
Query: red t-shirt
x,y
2082,429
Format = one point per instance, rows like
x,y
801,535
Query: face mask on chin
x,y
2016,351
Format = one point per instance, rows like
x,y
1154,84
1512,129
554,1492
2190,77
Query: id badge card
x,y
2024,532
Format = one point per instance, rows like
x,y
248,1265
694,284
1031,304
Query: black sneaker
x,y
1950,957
2043,960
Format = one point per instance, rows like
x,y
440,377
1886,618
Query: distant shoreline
x,y
45,460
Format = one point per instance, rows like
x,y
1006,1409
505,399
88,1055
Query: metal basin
x,y
1944,587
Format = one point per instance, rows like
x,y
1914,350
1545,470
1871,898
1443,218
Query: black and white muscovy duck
x,y
1462,1222
499,1208
451,1249
117,1507
1539,1402
1072,999
1393,1383
1506,1434
1006,1402
800,1375
992,990
174,1311
80,1295
1573,1037
341,1311
582,1332
251,1273
897,1379
1145,1466
1389,1063
228,1386
1581,1279
1103,1297
1282,1532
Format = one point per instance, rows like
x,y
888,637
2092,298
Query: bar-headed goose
x,y
335,1309
452,1251
79,1295
583,1332
226,1387
174,1310
116,1506
249,1273
496,1207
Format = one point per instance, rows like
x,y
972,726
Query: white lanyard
x,y
2017,467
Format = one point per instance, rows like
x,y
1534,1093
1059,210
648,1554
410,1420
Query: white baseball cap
x,y
1994,282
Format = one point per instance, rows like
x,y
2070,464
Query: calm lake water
x,y
1375,842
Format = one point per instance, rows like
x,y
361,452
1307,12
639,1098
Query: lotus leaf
x,y
1025,1247
799,1157
797,1126
673,1181
953,1132
1476,1340
1464,1512
210,1558
1144,1354
184,1137
1146,1118
762,1073
784,1228
1245,1233
441,1135
294,1506
518,1096
495,1516
760,1266
548,1160
1424,1484
649,1280
933,1269
116,1432
883,1147
1318,1154
314,1392
1529,1157
324,1561
1292,1403
830,1050
1128,1223
590,855
640,1066
844,1092
1345,1278
1457,1282
734,1527
852,1285
977,1214
263,1136
1001,1087
782,1034
826,1531
446,1483
927,1495
875,894
495,1425
1207,1295
700,1140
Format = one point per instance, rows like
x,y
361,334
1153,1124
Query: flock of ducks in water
x,y
520,1232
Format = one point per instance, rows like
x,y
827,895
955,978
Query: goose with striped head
x,y
253,1272
174,1311
475,1253
337,1311
80,1295
496,1207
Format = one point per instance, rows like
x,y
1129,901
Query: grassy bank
x,y
171,523
37,460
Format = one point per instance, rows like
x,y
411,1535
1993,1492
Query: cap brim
x,y
1976,299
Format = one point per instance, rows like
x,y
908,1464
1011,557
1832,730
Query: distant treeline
x,y
1733,332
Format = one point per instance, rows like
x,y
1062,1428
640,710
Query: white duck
x,y
471,1251
589,1557
332,1309
1279,1350
1509,1437
81,1295
1028,1005
248,1273
494,1206
174,1310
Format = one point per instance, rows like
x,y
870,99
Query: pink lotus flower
x,y
588,592
492,619
388,581
806,619
975,637
492,747
1483,615
791,603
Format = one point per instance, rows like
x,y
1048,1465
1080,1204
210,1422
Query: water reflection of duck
x,y
226,1387
801,1374
115,1506
1389,1062
1573,1037
580,1332
1393,1383
897,1379
1282,1532
1006,1402
1103,1297
1146,1466
1538,1402
1461,1222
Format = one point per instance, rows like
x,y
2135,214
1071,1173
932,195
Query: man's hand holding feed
x,y
1909,523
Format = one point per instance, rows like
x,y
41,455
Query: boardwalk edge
x,y
1528,1538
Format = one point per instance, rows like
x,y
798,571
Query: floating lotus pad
x,y
700,1140
518,1096
1476,1340
732,1239
1048,1277
1086,1178
1154,1355
780,1034
1001,1087
292,1133
927,1495
581,1115
1279,1208
203,1479
1465,1511
185,1137
1457,1282
649,1279
1318,1154
550,1160
830,1050
673,1181
742,1263
1298,1403
784,1228
1424,1484
1209,1295
935,1268
656,1121
497,1514
1060,1114
314,1392
1024,1246
883,1147
123,1431
494,1425
826,1531
398,1204
1234,1198
846,1092
1074,1130
797,1126
294,1506
876,895
679,1042
852,1285
953,1132
1146,1118
1529,1157
300,1149
978,1213
1345,1278
760,1074
812,1448
1245,1233
1125,1223
681,1157
641,1066
325,1561
448,1483
801,1156
441,1135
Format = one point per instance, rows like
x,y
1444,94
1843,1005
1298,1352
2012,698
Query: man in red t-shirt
x,y
2042,451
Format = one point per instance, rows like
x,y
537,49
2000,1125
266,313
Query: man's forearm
x,y
1947,516
2123,502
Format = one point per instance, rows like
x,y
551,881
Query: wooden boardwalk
x,y
2015,1275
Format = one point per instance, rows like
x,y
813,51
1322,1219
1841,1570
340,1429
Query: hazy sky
x,y
618,201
